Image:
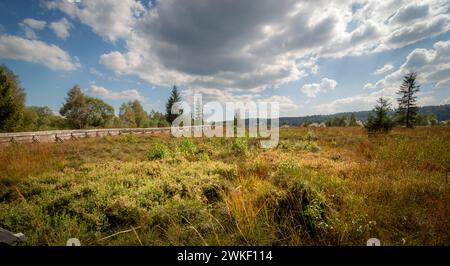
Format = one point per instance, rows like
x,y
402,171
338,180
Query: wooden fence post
x,y
58,139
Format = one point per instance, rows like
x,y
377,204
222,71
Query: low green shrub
x,y
132,139
240,146
187,147
307,146
158,152
203,156
122,212
311,136
301,207
302,145
285,145
229,172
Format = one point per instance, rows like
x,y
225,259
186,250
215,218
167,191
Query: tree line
x,y
82,111
79,110
343,121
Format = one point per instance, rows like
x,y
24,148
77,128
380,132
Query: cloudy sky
x,y
313,57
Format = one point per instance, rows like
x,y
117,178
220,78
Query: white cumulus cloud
x,y
61,28
30,25
35,24
48,55
109,19
311,90
432,66
253,44
112,95
383,69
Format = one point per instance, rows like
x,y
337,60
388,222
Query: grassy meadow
x,y
321,186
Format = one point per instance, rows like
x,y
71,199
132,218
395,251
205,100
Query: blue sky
x,y
312,58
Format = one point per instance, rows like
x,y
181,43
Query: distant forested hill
x,y
442,113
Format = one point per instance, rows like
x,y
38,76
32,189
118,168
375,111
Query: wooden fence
x,y
63,135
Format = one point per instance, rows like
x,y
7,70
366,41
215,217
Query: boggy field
x,y
324,186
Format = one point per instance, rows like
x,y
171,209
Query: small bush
x,y
240,146
187,147
122,213
300,207
308,146
178,211
132,139
285,145
158,152
310,136
261,168
287,166
315,214
311,146
229,172
286,170
204,156
336,157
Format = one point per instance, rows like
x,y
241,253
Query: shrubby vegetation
x,y
158,152
200,192
301,145
187,147
37,118
240,146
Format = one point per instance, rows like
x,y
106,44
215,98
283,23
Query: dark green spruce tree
x,y
175,97
353,122
381,122
407,108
